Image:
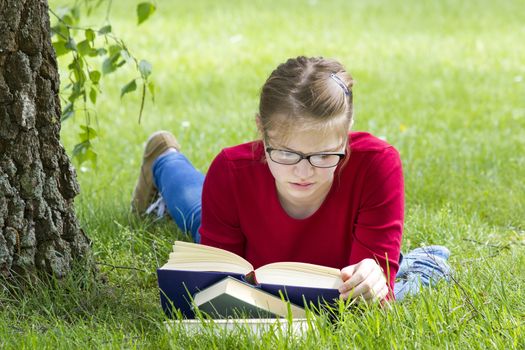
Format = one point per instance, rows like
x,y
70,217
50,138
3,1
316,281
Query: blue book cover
x,y
178,287
302,296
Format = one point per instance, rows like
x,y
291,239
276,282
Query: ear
x,y
351,124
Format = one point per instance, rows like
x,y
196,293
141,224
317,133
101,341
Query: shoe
x,y
145,190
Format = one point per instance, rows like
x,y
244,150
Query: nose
x,y
303,169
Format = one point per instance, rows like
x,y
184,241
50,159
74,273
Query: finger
x,y
382,294
357,278
365,286
371,284
347,272
366,273
378,293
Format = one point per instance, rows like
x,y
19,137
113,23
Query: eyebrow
x,y
331,150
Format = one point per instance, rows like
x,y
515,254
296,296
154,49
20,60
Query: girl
x,y
309,190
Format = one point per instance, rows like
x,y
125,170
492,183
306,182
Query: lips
x,y
301,185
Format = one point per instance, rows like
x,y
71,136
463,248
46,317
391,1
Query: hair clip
x,y
340,83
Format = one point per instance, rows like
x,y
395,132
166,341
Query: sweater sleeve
x,y
378,229
220,221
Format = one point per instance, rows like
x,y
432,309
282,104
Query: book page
x,y
207,266
198,257
297,327
299,274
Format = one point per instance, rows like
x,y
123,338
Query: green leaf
x,y
101,51
94,76
114,49
83,152
110,64
145,68
93,95
60,48
77,91
105,30
84,47
79,148
126,56
90,34
121,63
69,20
93,52
77,68
75,12
70,44
68,112
76,64
80,76
129,87
144,11
61,32
151,89
87,134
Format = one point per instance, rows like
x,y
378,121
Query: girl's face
x,y
302,184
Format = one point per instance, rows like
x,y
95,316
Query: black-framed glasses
x,y
319,160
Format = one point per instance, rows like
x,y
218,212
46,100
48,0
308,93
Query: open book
x,y
192,268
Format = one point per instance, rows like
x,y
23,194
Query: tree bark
x,y
39,231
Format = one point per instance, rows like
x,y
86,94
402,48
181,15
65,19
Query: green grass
x,y
443,81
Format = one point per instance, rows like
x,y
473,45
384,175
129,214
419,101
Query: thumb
x,y
347,272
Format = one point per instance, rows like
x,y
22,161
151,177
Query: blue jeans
x,y
424,266
180,186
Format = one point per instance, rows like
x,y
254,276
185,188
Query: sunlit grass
x,y
443,81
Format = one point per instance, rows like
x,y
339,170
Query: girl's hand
x,y
364,279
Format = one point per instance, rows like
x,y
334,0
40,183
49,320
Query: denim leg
x,y
180,185
423,266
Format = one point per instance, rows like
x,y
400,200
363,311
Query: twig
x,y
68,26
482,258
108,10
499,246
120,267
142,98
17,329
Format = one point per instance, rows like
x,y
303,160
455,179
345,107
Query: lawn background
x,y
443,81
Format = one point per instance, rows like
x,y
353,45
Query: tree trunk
x,y
39,231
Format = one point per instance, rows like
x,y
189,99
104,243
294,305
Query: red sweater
x,y
361,217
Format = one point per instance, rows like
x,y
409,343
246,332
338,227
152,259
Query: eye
x,y
325,160
323,156
287,155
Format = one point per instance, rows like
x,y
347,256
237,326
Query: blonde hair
x,y
308,93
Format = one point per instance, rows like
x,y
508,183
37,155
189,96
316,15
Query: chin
x,y
301,192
